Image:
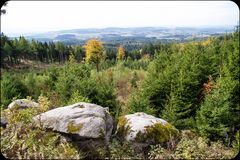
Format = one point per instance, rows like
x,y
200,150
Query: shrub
x,y
77,97
41,81
158,152
73,77
11,86
26,142
44,103
123,150
192,146
138,103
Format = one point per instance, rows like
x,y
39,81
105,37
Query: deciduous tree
x,y
94,52
121,53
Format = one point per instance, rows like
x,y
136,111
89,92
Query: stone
x,y
3,122
83,120
22,104
143,128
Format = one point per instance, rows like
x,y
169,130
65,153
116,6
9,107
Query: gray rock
x,y
3,122
84,120
143,128
22,104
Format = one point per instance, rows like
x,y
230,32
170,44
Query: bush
x,y
191,146
77,97
122,150
41,81
11,86
138,103
26,142
104,93
158,152
72,77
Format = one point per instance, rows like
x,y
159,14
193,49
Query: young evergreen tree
x,y
219,115
214,119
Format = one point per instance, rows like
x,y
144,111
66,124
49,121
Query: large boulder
x,y
81,120
146,129
22,104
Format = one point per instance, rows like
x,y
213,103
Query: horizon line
x,y
163,26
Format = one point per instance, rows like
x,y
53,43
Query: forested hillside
x,y
193,85
17,50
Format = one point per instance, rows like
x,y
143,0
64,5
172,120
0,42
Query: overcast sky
x,y
43,16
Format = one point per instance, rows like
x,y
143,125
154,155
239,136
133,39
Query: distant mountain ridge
x,y
115,33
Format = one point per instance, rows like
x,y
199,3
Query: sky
x,y
43,16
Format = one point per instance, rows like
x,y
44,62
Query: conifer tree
x,y
219,115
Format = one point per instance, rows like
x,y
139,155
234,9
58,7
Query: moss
x,y
72,128
123,128
122,121
158,133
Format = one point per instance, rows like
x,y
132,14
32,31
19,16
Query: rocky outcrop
x,y
143,128
22,104
83,120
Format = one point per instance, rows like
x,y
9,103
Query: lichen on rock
x,y
83,120
143,128
160,133
123,128
74,128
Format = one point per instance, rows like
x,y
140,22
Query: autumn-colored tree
x,y
94,52
121,53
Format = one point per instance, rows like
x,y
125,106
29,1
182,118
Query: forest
x,y
192,85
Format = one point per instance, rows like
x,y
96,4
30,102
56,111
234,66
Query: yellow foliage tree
x,y
94,52
121,53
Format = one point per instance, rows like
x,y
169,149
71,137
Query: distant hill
x,y
144,33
